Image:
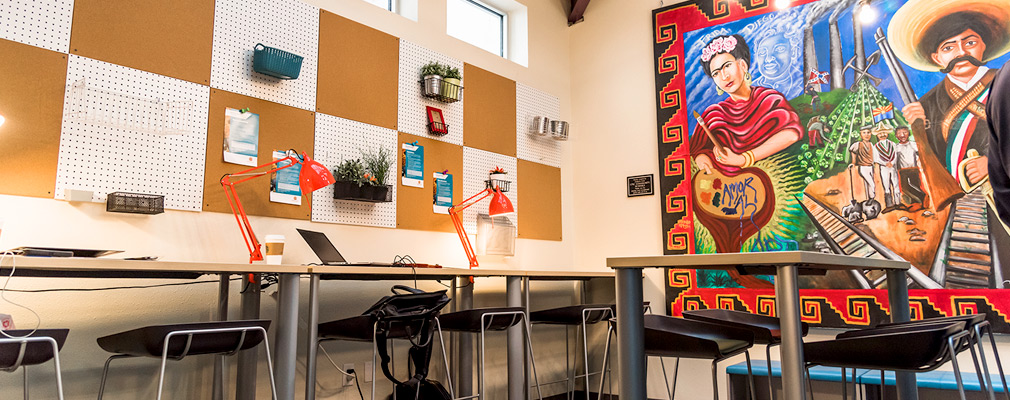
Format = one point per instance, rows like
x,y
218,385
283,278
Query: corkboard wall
x,y
281,128
413,205
31,101
489,115
540,214
358,72
172,38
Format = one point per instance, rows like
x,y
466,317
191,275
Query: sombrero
x,y
917,18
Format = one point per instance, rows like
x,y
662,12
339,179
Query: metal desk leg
x,y
245,381
630,333
787,297
514,298
286,336
311,338
527,354
897,294
220,364
464,382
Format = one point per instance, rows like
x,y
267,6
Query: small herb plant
x,y
498,170
452,73
378,163
350,171
433,68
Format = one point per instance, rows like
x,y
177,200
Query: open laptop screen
x,y
322,246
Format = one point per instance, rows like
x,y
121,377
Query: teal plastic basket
x,y
276,62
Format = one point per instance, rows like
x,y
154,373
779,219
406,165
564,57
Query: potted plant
x,y
348,174
431,75
366,183
378,163
451,83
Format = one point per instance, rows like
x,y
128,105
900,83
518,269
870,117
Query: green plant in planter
x,y
431,74
451,82
432,68
350,171
378,163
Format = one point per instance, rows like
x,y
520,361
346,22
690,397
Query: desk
x,y
786,266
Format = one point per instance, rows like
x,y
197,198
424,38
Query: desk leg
x,y
286,336
311,338
529,328
245,381
897,294
630,333
514,298
787,296
221,364
464,382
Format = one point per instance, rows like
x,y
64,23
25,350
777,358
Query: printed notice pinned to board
x,y
442,193
241,137
284,187
413,165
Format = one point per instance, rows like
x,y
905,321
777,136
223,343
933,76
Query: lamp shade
x,y
314,176
500,205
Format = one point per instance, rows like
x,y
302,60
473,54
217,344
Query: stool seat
x,y
470,320
766,329
360,328
674,337
35,352
149,341
572,315
912,348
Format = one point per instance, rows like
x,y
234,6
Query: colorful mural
x,y
839,126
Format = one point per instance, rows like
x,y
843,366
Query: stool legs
x,y
768,359
23,341
105,372
481,390
445,360
979,328
952,342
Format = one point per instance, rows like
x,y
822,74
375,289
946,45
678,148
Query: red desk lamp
x,y
313,176
500,205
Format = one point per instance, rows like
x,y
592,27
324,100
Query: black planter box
x,y
345,190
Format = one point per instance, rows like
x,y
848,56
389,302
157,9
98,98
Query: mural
x,y
840,126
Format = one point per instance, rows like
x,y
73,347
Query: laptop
x,y
328,253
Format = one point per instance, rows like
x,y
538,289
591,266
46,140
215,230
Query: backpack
x,y
410,316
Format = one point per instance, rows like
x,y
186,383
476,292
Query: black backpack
x,y
410,316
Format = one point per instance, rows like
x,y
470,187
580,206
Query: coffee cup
x,y
274,248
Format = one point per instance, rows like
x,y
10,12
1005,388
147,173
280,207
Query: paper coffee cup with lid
x,y
274,249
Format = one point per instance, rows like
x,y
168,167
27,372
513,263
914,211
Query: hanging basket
x,y
276,62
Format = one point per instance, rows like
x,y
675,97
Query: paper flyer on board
x,y
241,137
442,197
413,165
284,186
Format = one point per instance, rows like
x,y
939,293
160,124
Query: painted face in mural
x,y
882,134
865,134
730,74
960,55
773,57
902,134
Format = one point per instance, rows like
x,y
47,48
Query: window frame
x,y
502,24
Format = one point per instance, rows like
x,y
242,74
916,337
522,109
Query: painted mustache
x,y
966,57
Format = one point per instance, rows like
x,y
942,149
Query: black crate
x,y
135,203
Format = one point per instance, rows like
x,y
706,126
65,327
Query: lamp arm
x,y
454,212
252,244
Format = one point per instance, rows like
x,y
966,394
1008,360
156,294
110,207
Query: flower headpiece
x,y
719,45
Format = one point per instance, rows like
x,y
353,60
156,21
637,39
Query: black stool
x,y
682,338
767,330
177,341
916,348
24,347
579,316
483,320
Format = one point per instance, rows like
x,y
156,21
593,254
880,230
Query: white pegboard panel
x,y
339,139
106,159
476,166
530,103
289,25
40,23
412,115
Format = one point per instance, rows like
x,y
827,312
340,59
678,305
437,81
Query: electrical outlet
x,y
368,371
348,380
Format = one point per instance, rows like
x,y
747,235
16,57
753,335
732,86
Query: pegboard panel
x,y
107,159
289,25
476,166
339,139
40,23
530,103
412,116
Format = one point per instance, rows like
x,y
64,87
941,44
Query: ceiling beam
x,y
578,8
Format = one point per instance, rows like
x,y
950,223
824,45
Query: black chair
x,y
767,330
483,320
24,347
917,348
177,341
977,325
579,316
683,338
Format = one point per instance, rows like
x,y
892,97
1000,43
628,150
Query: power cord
x,y
406,260
3,295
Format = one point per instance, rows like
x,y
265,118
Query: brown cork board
x,y
33,86
281,128
540,197
413,205
171,38
489,118
358,72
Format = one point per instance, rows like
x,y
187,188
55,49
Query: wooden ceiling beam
x,y
578,9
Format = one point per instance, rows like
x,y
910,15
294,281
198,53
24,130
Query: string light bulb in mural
x,y
867,14
782,4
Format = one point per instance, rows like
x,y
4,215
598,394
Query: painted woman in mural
x,y
734,199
